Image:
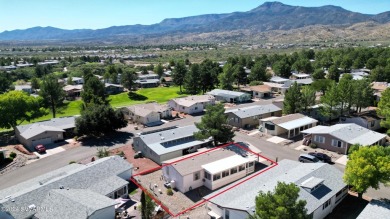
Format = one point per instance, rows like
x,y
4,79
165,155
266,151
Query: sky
x,y
95,14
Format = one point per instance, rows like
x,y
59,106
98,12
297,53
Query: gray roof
x,y
278,79
249,111
375,209
162,142
227,93
21,87
147,108
348,132
287,171
56,125
73,203
73,176
303,81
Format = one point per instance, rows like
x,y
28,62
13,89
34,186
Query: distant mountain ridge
x,y
270,16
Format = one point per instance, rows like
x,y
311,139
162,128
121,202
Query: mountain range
x,y
268,18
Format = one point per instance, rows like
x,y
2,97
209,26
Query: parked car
x,y
40,148
321,156
307,158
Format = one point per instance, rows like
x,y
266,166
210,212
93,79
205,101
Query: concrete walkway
x,y
276,139
342,160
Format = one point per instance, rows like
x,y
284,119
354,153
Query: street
x,y
124,137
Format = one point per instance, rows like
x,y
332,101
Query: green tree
x,y
321,85
330,102
226,78
308,97
258,73
333,73
147,206
303,65
5,82
128,79
292,100
209,75
318,74
384,109
52,93
363,94
281,203
97,120
179,73
214,124
368,167
191,82
17,107
371,63
159,70
69,81
94,92
239,75
282,68
346,93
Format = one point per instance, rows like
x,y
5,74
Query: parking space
x,y
49,152
276,139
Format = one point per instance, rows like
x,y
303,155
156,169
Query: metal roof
x,y
226,163
166,141
73,176
191,100
227,93
242,196
311,182
297,123
348,132
249,111
277,79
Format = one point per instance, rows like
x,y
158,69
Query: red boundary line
x,y
273,164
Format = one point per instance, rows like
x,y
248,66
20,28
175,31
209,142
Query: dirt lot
x,y
140,164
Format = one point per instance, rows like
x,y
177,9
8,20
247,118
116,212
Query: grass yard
x,y
158,94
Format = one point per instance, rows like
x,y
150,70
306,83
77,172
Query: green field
x,y
158,94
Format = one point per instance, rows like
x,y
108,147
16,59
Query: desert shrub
x,y
312,145
169,192
13,155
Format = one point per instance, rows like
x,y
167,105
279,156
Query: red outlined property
x,y
221,168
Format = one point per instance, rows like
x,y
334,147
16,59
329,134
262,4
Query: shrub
x,y
254,83
121,154
169,192
72,161
312,145
12,154
9,159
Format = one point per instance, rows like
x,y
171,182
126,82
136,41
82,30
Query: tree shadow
x,y
109,140
135,96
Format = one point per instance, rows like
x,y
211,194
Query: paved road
x,y
45,165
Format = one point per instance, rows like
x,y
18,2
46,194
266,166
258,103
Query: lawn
x,y
158,94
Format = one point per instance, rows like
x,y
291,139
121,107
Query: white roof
x,y
297,123
225,164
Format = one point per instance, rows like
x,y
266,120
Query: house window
x,y
269,126
233,170
196,108
207,175
326,204
241,168
196,176
225,173
216,177
319,139
227,214
250,164
337,143
272,114
372,123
